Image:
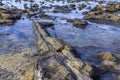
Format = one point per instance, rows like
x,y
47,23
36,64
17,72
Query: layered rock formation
x,y
8,17
110,64
105,14
55,60
58,60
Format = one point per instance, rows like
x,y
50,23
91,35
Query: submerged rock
x,y
61,9
85,12
81,6
4,34
72,6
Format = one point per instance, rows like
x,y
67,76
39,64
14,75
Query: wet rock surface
x,y
57,59
8,17
78,23
61,9
110,64
68,46
105,14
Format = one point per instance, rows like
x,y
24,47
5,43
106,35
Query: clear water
x,y
97,35
94,39
20,37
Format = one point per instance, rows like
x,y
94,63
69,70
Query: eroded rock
x,y
57,59
19,67
78,23
61,9
105,14
8,17
81,6
110,63
46,24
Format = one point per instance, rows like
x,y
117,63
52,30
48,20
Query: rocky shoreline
x,y
53,57
8,17
59,61
55,60
105,14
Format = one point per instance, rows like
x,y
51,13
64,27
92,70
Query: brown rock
x,y
57,61
105,14
8,17
61,9
28,74
78,23
111,63
108,56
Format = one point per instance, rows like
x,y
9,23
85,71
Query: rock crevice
x,y
57,60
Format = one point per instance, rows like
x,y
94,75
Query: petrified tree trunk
x,y
57,60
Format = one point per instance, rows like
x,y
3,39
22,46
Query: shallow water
x,y
97,35
96,38
19,37
92,40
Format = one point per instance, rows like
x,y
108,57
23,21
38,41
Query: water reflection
x,y
20,34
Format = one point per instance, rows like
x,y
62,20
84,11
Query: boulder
x,y
81,6
78,23
61,9
110,64
72,6
85,13
108,56
47,24
99,7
